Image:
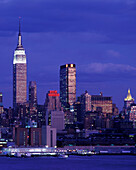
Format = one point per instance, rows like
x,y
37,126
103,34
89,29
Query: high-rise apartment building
x,y
19,73
67,85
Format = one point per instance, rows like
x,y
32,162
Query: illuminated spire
x,y
129,97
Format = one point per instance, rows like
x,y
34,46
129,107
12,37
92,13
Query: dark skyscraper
x,y
32,93
19,73
67,85
33,99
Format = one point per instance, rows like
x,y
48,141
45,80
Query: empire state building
x,y
19,73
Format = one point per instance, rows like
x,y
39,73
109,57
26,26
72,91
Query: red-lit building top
x,y
53,93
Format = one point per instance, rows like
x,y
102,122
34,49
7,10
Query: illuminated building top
x,y
53,93
19,53
129,97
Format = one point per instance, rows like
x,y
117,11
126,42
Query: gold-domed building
x,y
128,100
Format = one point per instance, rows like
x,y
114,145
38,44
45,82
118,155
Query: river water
x,y
94,162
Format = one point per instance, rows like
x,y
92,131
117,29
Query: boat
x,y
28,155
63,156
17,155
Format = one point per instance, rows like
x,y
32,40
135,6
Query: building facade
x,y
67,85
85,100
35,137
103,102
57,120
21,135
48,136
132,115
19,73
27,136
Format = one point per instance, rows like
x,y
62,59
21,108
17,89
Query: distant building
x,y
10,113
41,115
67,85
115,110
105,103
77,111
85,104
35,137
52,103
32,93
89,120
57,120
19,73
69,118
128,100
1,99
132,114
1,103
21,136
48,136
22,111
33,100
27,136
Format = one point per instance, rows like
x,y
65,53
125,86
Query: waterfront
x,y
95,162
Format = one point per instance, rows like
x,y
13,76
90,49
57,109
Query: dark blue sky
x,y
99,36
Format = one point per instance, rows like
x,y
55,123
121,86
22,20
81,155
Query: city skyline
x,y
103,41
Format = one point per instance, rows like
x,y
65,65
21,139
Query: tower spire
x,y
19,35
129,97
19,26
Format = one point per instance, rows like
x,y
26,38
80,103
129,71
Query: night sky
x,y
99,36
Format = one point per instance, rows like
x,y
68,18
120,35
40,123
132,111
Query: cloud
x,y
113,53
113,20
4,1
101,68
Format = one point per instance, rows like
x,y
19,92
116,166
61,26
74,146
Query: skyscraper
x,y
128,100
52,103
19,73
85,103
32,93
67,85
32,96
